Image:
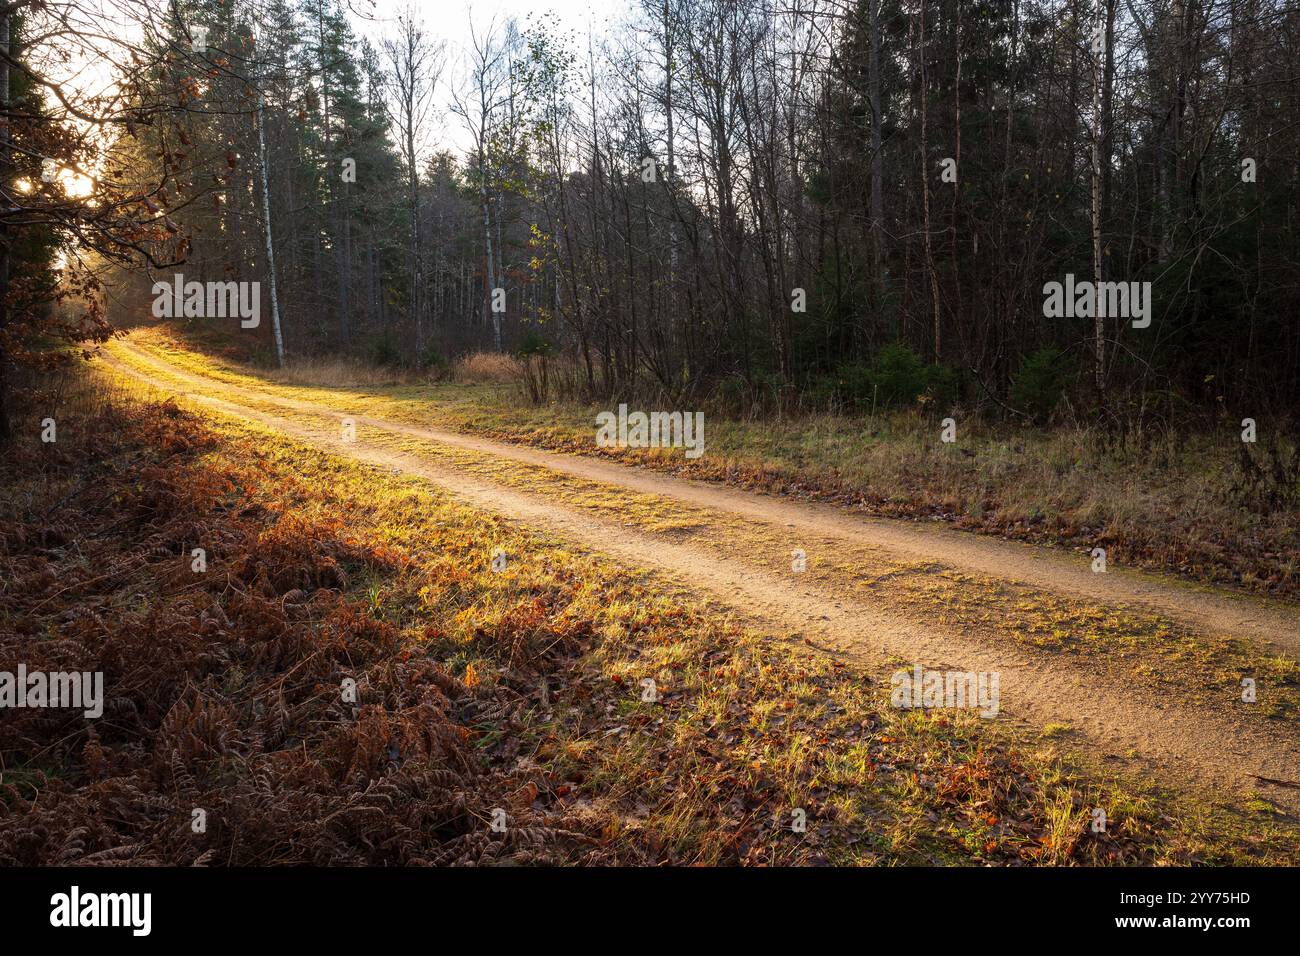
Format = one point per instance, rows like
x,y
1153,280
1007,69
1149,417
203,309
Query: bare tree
x,y
63,129
415,65
477,104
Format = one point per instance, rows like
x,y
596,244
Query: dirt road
x,y
1181,741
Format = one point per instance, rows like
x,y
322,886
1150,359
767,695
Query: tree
x,y
415,65
51,183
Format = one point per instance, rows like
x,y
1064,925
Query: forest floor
x,y
1072,646
768,687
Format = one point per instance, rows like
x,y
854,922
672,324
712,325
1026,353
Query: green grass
x,y
1168,499
745,730
1164,655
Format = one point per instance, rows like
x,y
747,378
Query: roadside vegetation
x,y
1191,499
312,655
522,690
1132,643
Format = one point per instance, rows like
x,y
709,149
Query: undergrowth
x,y
477,692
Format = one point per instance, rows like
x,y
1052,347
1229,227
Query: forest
x,y
771,207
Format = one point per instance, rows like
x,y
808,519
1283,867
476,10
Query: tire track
x,y
1181,744
1051,570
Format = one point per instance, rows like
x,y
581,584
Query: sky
x,y
450,20
447,20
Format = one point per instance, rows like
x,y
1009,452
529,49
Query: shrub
x,y
895,377
821,394
535,343
943,386
488,367
384,352
1041,382
432,360
854,386
729,394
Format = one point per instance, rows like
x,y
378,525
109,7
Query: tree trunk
x,y
491,269
1098,321
270,246
925,192
877,161
6,426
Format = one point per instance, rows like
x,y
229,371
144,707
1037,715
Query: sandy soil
x,y
1178,741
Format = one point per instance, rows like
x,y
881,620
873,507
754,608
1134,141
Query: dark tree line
x,y
835,202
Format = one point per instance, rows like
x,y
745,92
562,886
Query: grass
x,y
320,566
1169,500
343,373
1132,643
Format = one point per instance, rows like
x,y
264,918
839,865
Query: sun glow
x,y
76,185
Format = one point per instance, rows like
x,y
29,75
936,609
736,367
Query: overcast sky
x,y
447,20
450,20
